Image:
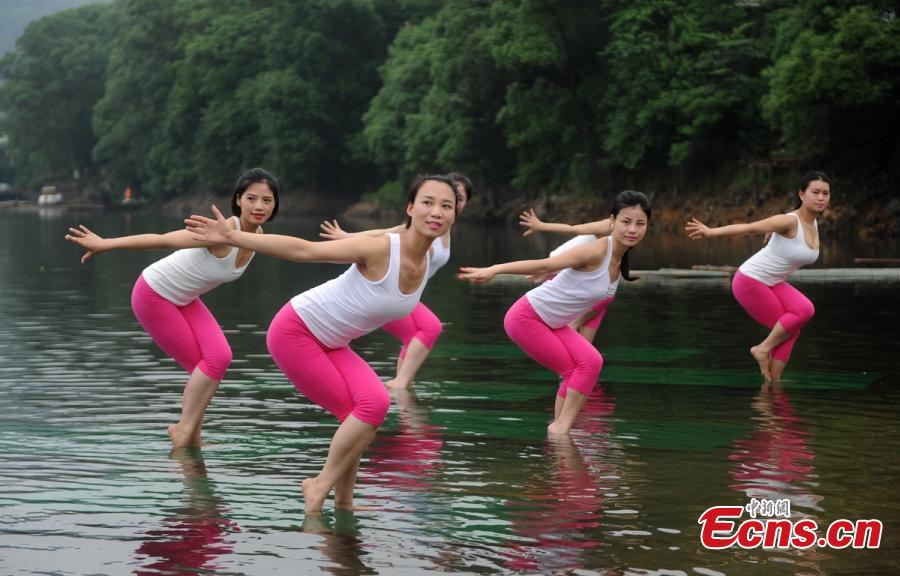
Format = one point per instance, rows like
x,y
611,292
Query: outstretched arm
x,y
529,220
575,258
780,223
359,249
94,244
333,231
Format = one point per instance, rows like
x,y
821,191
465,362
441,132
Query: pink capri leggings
x,y
600,309
781,303
189,334
562,350
421,324
336,379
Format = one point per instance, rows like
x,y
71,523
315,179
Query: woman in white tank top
x,y
760,284
309,338
539,321
588,323
166,297
418,332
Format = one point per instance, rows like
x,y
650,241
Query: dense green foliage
x,y
343,96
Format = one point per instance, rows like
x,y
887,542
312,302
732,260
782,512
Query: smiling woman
x,y
760,284
309,338
540,321
166,296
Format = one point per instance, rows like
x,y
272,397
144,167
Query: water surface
x,y
461,478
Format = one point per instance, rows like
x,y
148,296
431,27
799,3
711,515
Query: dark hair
x,y
809,179
626,199
417,184
249,178
459,178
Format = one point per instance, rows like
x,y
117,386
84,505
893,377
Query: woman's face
x,y
817,196
256,203
434,209
630,226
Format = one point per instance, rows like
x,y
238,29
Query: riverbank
x,y
870,219
670,213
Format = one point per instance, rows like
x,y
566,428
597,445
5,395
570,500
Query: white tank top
x,y
573,242
439,255
351,306
185,274
781,257
565,297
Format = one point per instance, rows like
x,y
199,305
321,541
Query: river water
x,y
462,478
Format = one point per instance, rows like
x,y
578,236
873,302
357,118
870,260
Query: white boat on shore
x,y
49,196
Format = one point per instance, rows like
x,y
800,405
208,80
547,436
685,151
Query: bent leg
x,y
190,335
561,350
342,383
588,329
216,358
798,311
419,332
761,303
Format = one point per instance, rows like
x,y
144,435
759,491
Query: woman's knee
x,y
429,334
372,408
807,311
218,361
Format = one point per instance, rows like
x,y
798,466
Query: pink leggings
x,y
781,303
562,350
600,309
421,324
336,379
189,334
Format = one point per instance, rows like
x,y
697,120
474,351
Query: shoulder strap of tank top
x,y
609,251
799,227
394,259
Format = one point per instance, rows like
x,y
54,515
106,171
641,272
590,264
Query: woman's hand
x,y
92,243
530,221
476,275
205,229
697,229
332,230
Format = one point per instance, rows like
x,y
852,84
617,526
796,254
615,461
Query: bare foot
x,y
397,384
314,522
181,437
763,359
313,495
556,428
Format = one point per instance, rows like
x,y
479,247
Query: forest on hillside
x,y
530,97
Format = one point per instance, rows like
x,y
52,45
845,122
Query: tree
x,y
51,83
129,119
685,82
440,96
834,84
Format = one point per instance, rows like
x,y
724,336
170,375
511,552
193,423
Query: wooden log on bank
x,y
877,261
803,275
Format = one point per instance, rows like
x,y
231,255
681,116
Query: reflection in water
x,y
340,542
775,462
561,509
409,458
194,535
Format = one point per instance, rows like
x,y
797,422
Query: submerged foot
x,y
556,428
182,437
313,495
764,360
396,384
